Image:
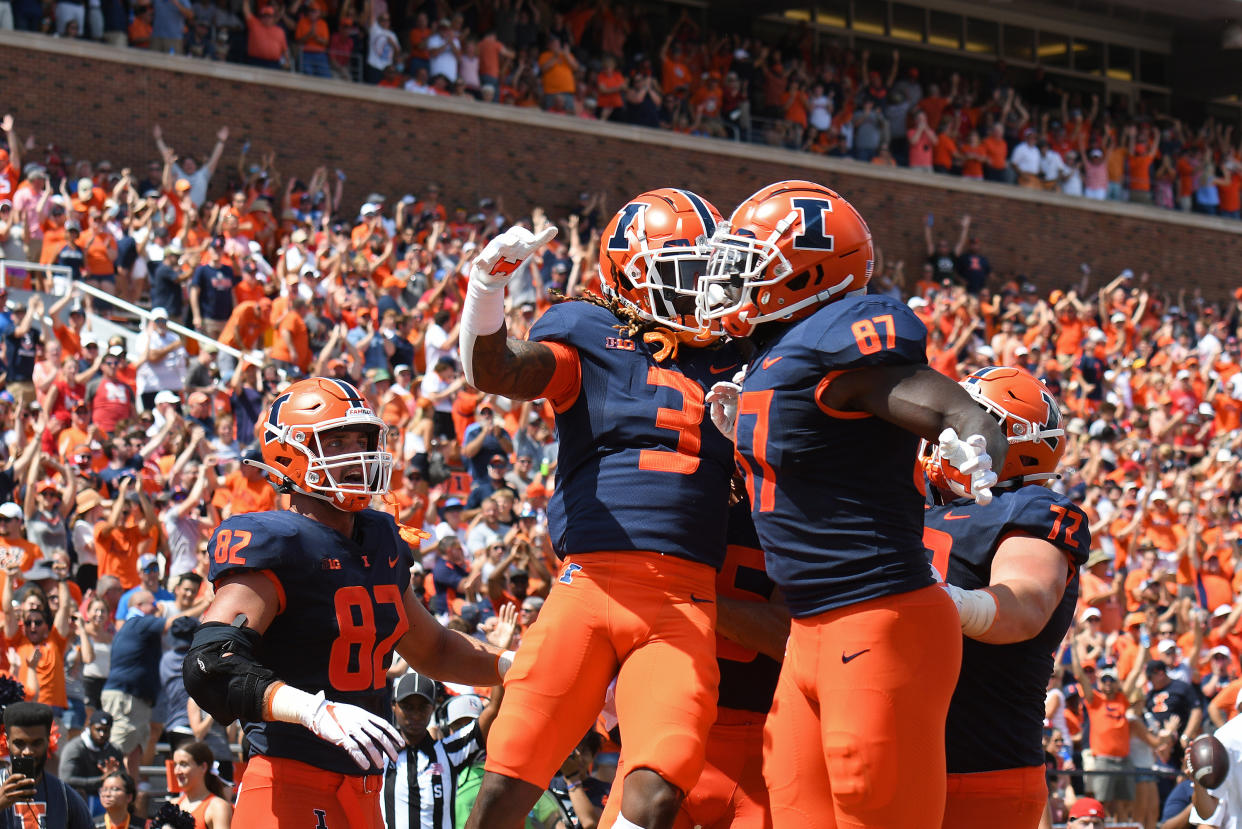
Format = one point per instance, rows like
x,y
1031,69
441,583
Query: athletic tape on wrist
x,y
483,313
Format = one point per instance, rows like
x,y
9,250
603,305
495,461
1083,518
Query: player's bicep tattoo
x,y
520,369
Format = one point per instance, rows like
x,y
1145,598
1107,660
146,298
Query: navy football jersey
x,y
832,493
641,466
747,677
341,615
996,717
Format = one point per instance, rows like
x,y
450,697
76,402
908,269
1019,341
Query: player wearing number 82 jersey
x,y
310,603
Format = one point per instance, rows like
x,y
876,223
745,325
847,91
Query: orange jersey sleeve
x,y
566,381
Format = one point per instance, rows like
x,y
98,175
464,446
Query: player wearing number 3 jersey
x,y
831,408
638,515
1013,565
310,604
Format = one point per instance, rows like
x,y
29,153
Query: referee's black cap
x,y
413,683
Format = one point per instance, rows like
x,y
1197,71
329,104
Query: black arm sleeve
x,y
223,675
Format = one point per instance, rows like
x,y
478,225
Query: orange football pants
x,y
984,800
644,618
855,737
730,793
277,791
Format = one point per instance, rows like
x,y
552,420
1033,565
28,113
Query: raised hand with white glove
x,y
484,310
368,738
967,466
503,255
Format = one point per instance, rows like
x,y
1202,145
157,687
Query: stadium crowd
x,y
608,61
121,454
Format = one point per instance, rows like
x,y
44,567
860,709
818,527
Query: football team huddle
x,y
820,582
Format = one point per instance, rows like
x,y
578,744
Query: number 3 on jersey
x,y
356,662
684,421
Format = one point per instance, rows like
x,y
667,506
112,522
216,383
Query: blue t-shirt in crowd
x,y
136,652
215,291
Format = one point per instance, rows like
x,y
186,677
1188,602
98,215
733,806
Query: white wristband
x,y
977,609
504,662
482,314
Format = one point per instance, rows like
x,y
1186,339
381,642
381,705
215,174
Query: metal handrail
x,y
145,316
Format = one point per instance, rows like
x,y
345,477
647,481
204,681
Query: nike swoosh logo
x,y
392,562
949,516
697,600
847,659
771,361
722,370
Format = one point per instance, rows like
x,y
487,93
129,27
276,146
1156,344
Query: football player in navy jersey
x,y
637,515
1013,568
832,404
309,605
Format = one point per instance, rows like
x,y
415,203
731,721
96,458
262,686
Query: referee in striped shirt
x,y
420,788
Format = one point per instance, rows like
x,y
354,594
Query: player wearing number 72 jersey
x,y
310,604
1013,568
831,409
638,515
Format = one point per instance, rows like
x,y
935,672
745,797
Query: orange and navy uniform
x,y
731,793
856,731
339,616
640,468
994,730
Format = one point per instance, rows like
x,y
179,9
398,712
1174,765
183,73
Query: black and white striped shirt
x,y
420,788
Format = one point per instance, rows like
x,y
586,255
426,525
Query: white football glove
x,y
496,263
970,460
484,310
367,738
723,401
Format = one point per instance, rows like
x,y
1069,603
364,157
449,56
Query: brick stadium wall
x,y
100,103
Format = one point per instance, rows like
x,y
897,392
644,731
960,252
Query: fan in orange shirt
x,y
243,490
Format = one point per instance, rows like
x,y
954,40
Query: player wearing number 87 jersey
x,y
832,405
637,516
1013,566
310,604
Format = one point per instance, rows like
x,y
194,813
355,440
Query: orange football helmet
x,y
652,254
1030,417
293,446
788,249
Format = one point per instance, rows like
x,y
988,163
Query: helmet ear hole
x,y
799,281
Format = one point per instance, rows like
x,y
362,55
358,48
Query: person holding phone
x,y
29,795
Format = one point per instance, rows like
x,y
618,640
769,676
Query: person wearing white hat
x,y
162,360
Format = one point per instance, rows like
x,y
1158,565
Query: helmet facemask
x,y
346,476
347,481
735,269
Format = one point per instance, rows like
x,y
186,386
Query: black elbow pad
x,y
222,674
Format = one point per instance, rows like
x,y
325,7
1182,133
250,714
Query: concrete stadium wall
x,y
99,102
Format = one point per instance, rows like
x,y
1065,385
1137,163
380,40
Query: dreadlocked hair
x,y
633,324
